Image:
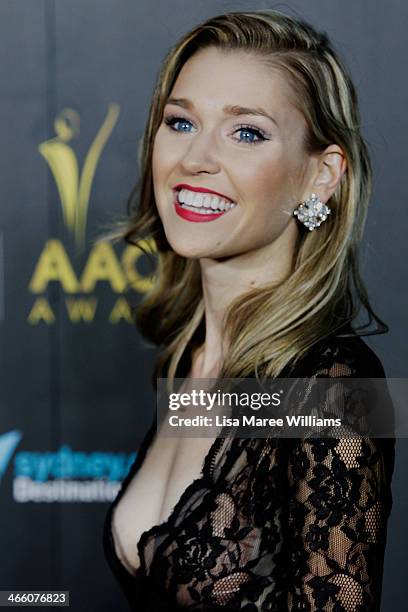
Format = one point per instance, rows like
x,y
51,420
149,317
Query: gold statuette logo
x,y
74,189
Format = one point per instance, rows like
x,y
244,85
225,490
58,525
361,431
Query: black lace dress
x,y
273,524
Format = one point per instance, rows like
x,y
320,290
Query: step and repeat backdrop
x,y
75,393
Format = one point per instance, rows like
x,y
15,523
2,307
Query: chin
x,y
189,249
189,253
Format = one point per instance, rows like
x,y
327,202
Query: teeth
x,y
205,203
201,211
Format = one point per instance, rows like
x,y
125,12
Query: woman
x,y
254,185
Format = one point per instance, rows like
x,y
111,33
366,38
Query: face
x,y
230,142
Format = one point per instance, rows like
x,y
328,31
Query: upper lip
x,y
180,186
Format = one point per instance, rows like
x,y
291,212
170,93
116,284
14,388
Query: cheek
x,y
264,180
271,178
165,155
159,157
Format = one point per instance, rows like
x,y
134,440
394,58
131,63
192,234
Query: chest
x,y
170,466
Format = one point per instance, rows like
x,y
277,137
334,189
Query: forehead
x,y
213,78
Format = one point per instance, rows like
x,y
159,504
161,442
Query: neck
x,y
224,280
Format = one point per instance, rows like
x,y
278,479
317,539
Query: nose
x,y
201,155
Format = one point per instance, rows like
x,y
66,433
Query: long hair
x,y
271,327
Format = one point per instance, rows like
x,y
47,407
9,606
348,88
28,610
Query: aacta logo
x,y
103,263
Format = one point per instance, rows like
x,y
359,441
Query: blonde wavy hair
x,y
271,327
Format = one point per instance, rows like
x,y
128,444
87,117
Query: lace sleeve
x,y
339,501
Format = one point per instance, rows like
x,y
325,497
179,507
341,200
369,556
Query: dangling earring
x,y
312,212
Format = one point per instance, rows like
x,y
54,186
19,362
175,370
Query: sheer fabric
x,y
273,524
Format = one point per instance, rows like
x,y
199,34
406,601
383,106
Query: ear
x,y
331,165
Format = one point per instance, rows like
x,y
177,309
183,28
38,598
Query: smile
x,y
201,205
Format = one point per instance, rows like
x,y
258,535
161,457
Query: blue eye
x,y
250,135
178,124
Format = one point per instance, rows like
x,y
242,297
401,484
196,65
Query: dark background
x,y
88,384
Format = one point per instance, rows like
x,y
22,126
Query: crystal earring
x,y
312,212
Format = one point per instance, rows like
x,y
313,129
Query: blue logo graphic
x,y
63,475
8,443
70,464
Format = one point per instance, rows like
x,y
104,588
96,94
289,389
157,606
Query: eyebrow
x,y
230,109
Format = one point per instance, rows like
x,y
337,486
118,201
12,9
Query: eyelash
x,y
171,120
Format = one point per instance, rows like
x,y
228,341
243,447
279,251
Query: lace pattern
x,y
277,524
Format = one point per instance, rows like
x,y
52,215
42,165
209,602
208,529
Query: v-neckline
x,y
205,476
206,473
